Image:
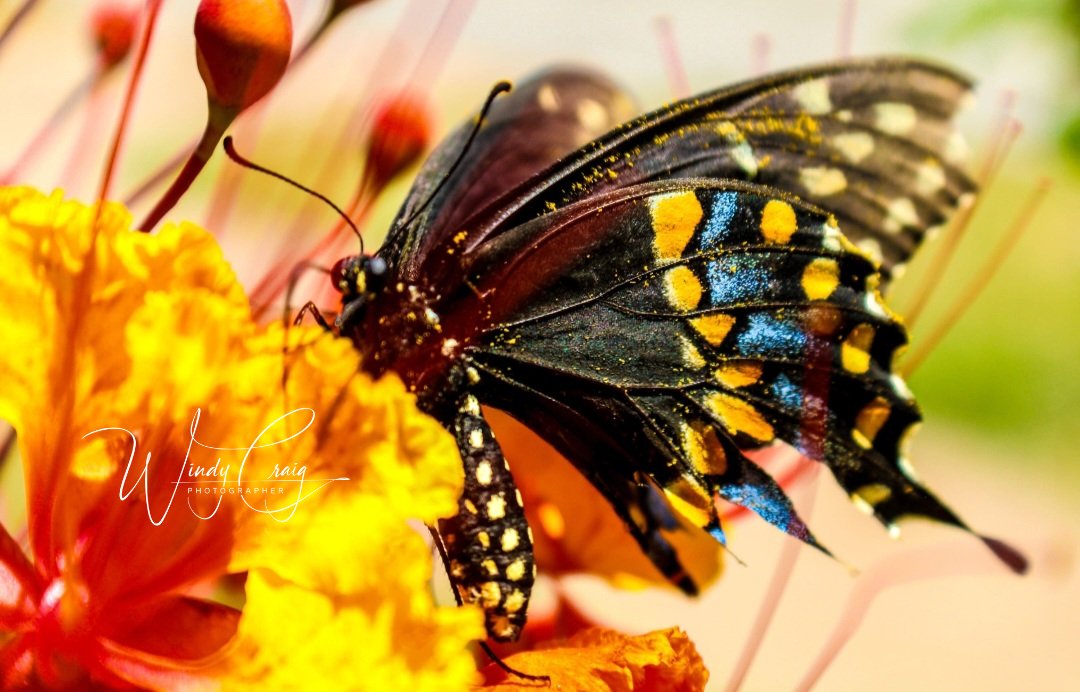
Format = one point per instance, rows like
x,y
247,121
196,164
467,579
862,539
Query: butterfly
x,y
658,297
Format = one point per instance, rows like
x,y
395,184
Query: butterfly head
x,y
358,278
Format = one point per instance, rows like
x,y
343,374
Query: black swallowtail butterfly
x,y
656,300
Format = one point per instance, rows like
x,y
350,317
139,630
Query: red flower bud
x,y
243,48
400,134
113,29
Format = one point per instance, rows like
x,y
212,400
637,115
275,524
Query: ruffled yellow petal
x,y
599,660
109,327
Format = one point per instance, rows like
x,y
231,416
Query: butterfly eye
x,y
343,274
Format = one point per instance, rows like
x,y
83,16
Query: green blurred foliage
x,y
960,22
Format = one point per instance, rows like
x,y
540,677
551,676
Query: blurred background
x,y
1000,392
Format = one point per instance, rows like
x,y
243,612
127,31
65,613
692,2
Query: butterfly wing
x,y
869,141
544,118
659,330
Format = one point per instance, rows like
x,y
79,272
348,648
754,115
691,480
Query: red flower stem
x,y
166,169
152,9
16,19
678,84
216,124
44,134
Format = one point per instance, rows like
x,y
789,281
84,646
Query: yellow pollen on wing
x,y
674,218
778,221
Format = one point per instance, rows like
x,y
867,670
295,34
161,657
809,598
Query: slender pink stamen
x,y
16,20
1001,144
785,566
982,278
673,63
953,559
846,36
760,54
51,126
152,9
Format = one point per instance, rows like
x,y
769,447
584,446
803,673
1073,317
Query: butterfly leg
x,y
489,543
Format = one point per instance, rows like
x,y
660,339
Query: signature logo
x,y
288,483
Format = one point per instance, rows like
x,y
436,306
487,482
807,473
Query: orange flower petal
x,y
576,531
607,661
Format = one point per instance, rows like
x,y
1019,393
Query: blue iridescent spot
x,y
737,279
787,392
767,335
716,228
760,501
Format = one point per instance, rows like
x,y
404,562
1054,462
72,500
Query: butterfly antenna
x,y
500,88
246,163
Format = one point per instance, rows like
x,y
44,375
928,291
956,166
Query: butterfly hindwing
x,y
683,321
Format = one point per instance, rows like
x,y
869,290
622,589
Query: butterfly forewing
x,y
541,120
869,141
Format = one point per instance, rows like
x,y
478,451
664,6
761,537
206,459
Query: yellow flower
x,y
113,336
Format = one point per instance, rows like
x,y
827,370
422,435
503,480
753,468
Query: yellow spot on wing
x,y
510,540
496,507
484,539
490,567
822,180
490,595
515,570
854,146
813,96
514,602
869,420
855,351
777,221
873,494
738,373
820,278
703,449
690,500
713,327
683,288
674,218
483,473
739,416
691,355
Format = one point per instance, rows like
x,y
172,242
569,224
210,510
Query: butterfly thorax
x,y
395,326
